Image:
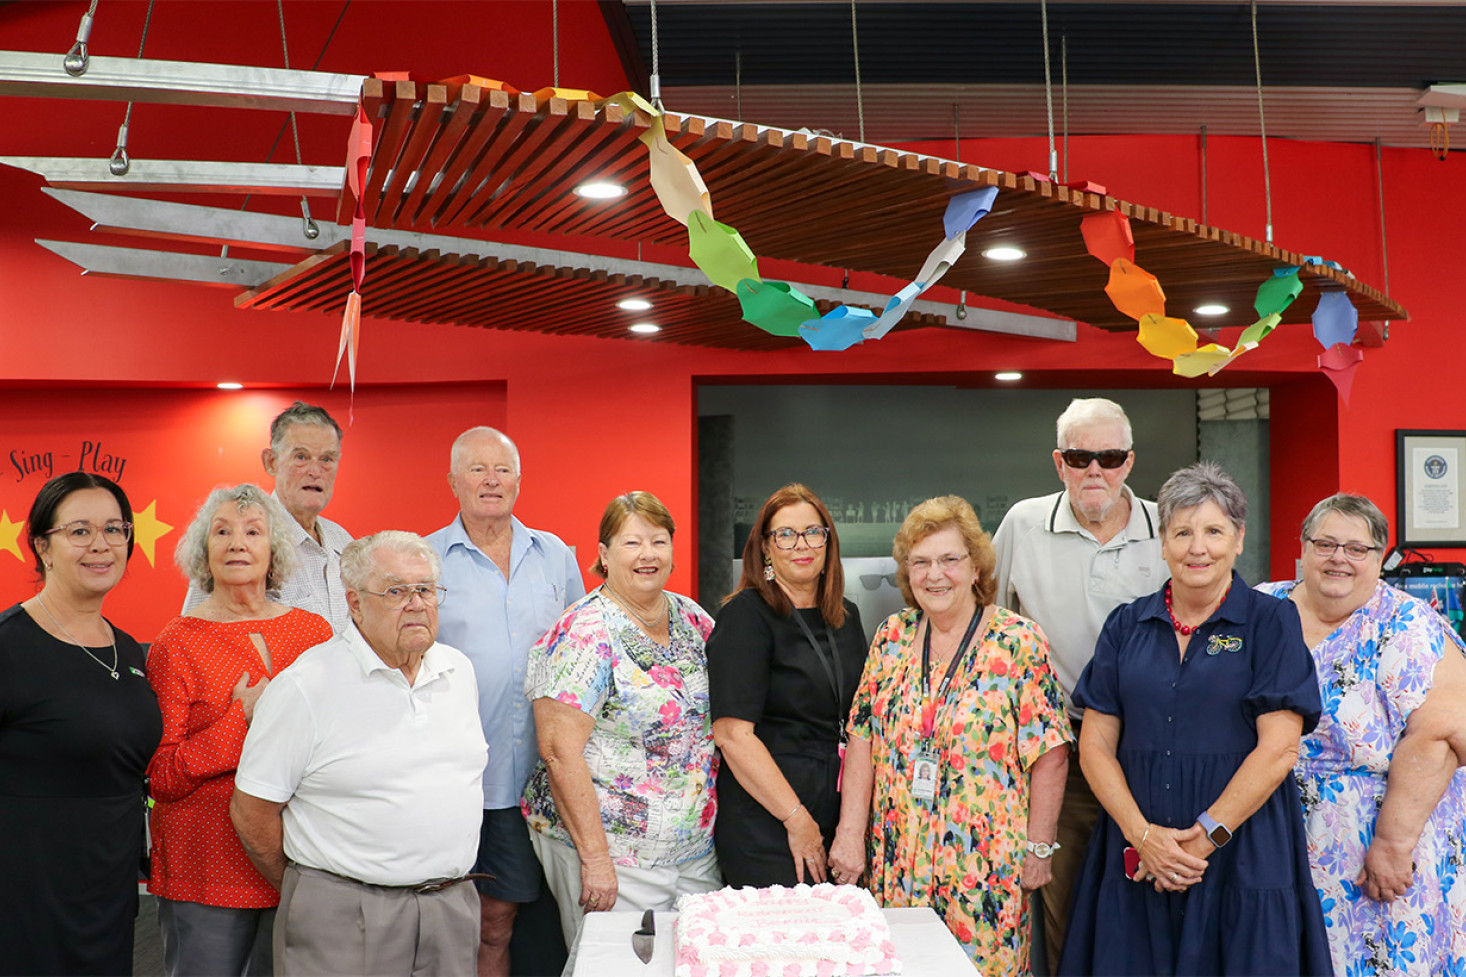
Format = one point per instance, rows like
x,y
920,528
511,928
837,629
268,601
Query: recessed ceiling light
x,y
229,385
600,191
1212,308
645,328
1005,254
633,305
1008,375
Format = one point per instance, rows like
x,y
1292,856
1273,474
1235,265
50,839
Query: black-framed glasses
x,y
401,596
81,533
1354,552
1109,458
786,539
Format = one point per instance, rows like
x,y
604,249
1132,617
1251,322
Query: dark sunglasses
x,y
1109,458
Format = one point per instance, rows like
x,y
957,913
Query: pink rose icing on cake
x,y
804,931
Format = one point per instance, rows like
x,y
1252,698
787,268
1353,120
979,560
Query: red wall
x,y
597,417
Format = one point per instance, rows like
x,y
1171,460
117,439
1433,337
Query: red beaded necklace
x,y
1186,629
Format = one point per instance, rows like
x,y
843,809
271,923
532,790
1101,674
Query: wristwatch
x,y
1218,832
1043,849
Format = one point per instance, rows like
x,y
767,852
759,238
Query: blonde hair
x,y
933,516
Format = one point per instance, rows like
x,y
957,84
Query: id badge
x,y
924,776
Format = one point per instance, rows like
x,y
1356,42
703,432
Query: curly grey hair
x,y
357,563
1087,411
192,552
1200,483
1349,504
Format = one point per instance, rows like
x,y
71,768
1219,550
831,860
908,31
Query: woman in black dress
x,y
78,722
783,663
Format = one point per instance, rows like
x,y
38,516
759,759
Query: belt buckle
x,y
427,888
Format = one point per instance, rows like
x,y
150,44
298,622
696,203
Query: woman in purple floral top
x,y
621,808
1384,797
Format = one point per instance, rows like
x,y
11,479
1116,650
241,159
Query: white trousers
x,y
637,889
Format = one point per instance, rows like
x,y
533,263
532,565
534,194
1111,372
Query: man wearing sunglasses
x,y
1065,561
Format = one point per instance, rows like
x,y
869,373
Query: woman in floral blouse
x,y
958,746
1384,798
621,808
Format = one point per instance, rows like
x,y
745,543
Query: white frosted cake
x,y
808,931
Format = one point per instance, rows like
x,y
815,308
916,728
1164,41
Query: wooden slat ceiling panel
x,y
426,286
468,159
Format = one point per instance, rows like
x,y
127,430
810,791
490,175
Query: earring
x,y
768,569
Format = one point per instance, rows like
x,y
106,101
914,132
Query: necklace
x,y
1186,629
651,624
111,668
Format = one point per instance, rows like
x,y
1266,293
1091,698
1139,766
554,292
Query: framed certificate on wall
x,y
1430,488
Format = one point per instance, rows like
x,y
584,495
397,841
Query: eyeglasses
x,y
81,533
1356,552
948,562
786,539
398,597
1109,458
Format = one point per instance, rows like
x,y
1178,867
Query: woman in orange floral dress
x,y
958,746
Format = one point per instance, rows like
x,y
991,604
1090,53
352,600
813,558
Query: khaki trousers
x,y
327,925
1076,824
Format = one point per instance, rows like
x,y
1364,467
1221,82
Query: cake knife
x,y
644,939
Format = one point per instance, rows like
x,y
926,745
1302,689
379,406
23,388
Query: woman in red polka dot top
x,y
208,668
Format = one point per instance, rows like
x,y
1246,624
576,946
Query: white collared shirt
x,y
383,779
1053,571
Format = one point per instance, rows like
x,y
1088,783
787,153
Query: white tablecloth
x,y
924,945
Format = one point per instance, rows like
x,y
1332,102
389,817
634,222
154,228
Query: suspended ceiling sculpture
x,y
457,163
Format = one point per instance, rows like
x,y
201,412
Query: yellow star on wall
x,y
147,529
10,535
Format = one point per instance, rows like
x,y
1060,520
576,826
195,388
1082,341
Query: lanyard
x,y
928,704
833,673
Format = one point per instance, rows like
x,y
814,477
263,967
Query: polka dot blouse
x,y
193,667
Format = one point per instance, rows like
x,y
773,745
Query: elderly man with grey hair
x,y
1065,561
514,583
358,793
305,448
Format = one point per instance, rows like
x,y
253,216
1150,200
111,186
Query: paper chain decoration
x,y
774,306
1136,293
780,309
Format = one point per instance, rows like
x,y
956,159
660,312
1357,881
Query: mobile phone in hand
x,y
1132,862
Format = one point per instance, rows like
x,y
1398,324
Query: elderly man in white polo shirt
x,y
359,792
1066,561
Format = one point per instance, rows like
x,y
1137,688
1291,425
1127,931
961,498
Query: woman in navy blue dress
x,y
1194,703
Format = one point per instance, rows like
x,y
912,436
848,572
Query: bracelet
x,y
786,817
1144,836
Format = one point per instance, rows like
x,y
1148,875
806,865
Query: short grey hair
x,y
1090,411
192,552
1349,504
455,454
358,560
299,413
1198,484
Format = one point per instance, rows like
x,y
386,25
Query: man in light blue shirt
x,y
507,585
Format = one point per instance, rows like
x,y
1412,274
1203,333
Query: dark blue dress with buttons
x,y
1187,725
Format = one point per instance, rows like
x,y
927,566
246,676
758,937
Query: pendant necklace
x,y
653,623
110,668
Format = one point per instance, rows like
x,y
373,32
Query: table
x,y
923,944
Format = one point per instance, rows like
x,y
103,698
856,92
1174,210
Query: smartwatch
x,y
1215,830
1043,849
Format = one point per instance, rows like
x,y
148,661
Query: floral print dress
x,y
651,754
1374,671
961,852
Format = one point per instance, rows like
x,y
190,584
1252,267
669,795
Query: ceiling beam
x,y
102,259
215,225
41,75
185,176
